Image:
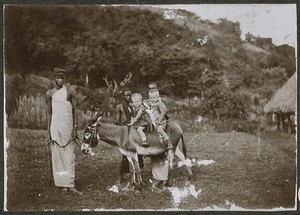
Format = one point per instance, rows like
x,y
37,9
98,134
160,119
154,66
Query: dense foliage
x,y
188,57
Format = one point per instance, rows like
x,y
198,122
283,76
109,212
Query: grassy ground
x,y
249,172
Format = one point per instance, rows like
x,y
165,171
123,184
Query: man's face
x,y
152,87
127,96
59,80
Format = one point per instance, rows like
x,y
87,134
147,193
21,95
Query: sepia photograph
x,y
150,107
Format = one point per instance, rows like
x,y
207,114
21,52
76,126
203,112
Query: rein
x,y
71,140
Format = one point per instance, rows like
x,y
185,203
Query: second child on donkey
x,y
158,116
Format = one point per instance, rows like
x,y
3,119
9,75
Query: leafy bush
x,y
238,125
205,124
14,87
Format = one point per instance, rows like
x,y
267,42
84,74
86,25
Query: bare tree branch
x,y
126,79
112,86
109,86
115,87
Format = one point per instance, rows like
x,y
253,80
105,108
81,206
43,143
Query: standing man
x,y
62,129
123,117
124,110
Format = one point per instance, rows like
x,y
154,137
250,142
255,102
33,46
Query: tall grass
x,y
30,112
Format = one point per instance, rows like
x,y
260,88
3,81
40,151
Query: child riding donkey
x,y
158,114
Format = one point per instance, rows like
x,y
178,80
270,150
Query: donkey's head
x,y
90,137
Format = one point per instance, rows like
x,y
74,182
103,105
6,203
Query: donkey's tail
x,y
190,173
183,147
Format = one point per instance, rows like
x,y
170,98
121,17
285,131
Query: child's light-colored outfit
x,y
140,121
139,117
159,111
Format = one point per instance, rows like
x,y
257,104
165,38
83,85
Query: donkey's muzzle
x,y
85,151
85,148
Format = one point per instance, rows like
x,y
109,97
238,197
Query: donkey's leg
x,y
135,163
133,180
183,158
124,168
138,169
171,157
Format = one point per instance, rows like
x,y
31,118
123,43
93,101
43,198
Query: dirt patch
x,y
247,172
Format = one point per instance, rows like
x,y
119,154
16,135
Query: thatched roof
x,y
285,99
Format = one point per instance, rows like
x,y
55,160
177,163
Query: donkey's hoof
x,y
138,187
169,183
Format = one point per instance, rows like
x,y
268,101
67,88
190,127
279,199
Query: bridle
x,y
93,130
93,136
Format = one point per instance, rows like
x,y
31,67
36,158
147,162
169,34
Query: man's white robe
x,y
63,158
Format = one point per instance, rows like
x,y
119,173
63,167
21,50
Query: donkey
x,y
127,140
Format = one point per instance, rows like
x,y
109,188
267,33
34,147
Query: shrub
x,y
194,119
87,97
83,118
238,125
14,87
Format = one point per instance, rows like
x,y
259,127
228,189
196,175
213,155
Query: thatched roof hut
x,y
285,99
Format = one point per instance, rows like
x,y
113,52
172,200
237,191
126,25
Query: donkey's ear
x,y
99,119
96,115
99,113
95,121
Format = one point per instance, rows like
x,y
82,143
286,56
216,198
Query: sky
x,y
277,21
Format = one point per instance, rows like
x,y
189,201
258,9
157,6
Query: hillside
x,y
187,56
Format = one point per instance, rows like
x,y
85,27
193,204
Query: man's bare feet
x,y
64,189
145,143
73,190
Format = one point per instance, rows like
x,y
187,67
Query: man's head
x,y
152,86
127,94
59,77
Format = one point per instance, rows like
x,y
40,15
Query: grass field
x,y
248,172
